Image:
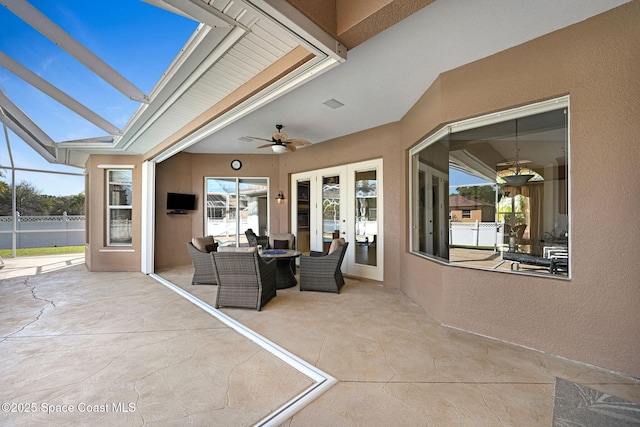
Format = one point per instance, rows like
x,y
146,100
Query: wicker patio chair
x,y
322,273
255,240
244,279
284,241
201,260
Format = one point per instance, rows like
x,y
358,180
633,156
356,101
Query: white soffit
x,y
215,63
272,35
244,56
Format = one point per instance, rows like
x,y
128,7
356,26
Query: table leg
x,y
284,275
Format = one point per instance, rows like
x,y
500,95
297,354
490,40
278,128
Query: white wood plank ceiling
x,y
249,53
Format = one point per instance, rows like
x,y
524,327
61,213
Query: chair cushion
x,y
282,236
212,248
280,244
335,244
201,243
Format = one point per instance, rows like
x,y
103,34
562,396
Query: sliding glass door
x,y
234,205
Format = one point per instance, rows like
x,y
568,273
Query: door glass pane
x,y
303,242
330,209
221,210
252,207
233,205
366,220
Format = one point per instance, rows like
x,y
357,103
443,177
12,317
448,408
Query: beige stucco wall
x,y
593,317
185,173
99,256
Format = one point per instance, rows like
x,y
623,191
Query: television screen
x,y
180,202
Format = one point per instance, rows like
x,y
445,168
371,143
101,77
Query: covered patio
x,y
122,348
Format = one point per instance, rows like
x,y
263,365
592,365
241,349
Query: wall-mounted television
x,y
181,202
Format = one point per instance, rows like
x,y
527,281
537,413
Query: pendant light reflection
x,y
516,175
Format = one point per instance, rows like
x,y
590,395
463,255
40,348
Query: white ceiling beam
x,y
202,12
17,115
57,35
27,136
55,93
164,6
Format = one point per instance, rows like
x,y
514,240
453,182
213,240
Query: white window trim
x,y
110,206
475,122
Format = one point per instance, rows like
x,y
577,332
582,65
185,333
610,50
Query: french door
x,y
342,202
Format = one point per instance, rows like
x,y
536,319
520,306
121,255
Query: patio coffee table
x,y
284,274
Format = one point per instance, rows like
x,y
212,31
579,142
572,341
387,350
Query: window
x,y
234,205
119,209
501,181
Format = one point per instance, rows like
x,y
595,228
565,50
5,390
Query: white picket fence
x,y
476,234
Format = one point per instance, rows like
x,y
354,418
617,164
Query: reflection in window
x,y
330,206
366,218
234,205
492,192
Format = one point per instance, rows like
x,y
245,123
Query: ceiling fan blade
x,y
259,139
299,142
290,147
265,146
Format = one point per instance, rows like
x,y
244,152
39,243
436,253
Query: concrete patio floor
x,y
81,348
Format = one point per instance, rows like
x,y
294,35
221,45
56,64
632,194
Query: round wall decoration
x,y
236,164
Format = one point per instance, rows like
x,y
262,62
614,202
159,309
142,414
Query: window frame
x,y
473,123
239,234
111,207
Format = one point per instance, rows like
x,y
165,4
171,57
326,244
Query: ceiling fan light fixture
x,y
279,149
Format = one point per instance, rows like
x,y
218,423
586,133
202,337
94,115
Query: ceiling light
x,y
277,148
517,179
516,176
333,103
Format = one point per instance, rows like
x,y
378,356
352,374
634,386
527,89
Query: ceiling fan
x,y
280,143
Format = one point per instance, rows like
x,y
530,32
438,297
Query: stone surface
x,y
73,337
122,349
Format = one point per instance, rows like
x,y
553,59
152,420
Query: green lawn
x,y
7,253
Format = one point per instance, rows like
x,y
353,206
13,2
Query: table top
x,y
279,253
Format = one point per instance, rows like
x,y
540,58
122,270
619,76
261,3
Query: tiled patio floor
x,y
108,340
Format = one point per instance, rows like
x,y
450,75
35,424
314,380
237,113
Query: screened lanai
x,y
69,81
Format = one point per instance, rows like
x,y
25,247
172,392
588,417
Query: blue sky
x,y
135,38
461,179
